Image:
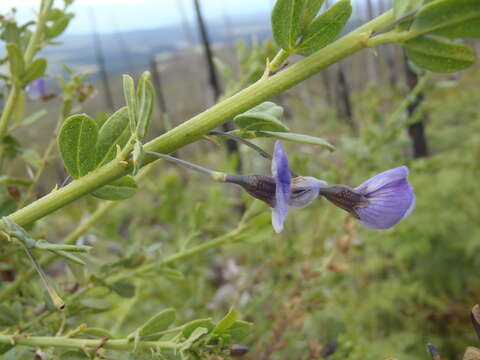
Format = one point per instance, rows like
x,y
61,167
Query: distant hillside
x,y
127,52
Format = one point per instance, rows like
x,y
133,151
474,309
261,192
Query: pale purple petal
x,y
390,198
382,179
281,173
304,190
36,89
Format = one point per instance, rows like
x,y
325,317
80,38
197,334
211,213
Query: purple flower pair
x,y
379,203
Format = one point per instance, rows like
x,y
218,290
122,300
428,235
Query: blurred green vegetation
x,y
326,282
326,279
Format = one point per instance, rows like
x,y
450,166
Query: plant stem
x,y
64,342
57,300
187,164
257,148
33,44
32,48
8,110
278,60
193,129
81,229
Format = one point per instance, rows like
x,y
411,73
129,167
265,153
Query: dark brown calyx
x,y
259,186
344,197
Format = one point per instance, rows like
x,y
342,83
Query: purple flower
x,y
380,202
36,89
280,190
283,181
390,198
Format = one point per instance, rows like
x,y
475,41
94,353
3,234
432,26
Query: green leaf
x,y
194,336
11,32
159,322
310,10
145,95
286,22
439,55
325,28
18,232
96,304
76,141
239,330
33,118
69,256
453,18
468,29
265,116
119,189
190,327
130,101
58,27
7,317
124,288
297,138
34,71
227,321
402,7
15,59
115,131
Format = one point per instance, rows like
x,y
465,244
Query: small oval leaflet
x,y
453,18
115,131
159,322
76,139
239,330
298,138
286,22
124,288
438,54
227,321
266,116
34,71
190,327
96,304
325,28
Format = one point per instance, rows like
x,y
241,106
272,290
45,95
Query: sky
x,y
125,15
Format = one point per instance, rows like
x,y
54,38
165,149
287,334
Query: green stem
x,y
193,129
32,48
8,110
81,229
278,60
57,300
34,43
64,342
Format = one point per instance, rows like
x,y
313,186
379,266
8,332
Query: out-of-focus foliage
x,y
195,264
